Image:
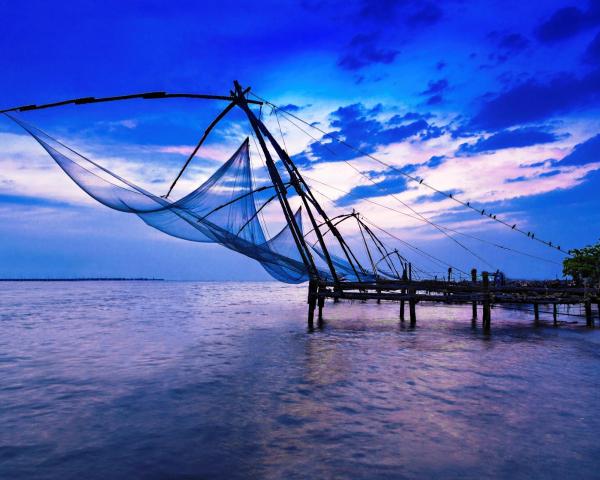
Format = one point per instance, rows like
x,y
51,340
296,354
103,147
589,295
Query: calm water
x,y
147,380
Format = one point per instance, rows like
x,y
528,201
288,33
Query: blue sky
x,y
497,102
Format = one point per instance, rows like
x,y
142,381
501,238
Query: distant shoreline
x,y
99,279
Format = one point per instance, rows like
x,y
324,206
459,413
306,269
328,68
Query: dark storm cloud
x,y
568,22
367,49
363,51
520,137
584,153
535,100
435,87
435,91
398,119
392,184
359,126
388,182
290,107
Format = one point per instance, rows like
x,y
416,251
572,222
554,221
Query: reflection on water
x,y
202,380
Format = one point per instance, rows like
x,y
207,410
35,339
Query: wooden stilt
x,y
555,314
589,320
403,291
311,314
474,304
487,314
536,313
312,302
411,307
321,304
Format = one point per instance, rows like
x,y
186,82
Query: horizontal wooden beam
x,y
143,96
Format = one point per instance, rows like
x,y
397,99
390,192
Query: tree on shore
x,y
584,265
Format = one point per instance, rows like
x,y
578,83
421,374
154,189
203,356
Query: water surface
x,y
185,380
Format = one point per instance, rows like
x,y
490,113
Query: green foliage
x,y
584,264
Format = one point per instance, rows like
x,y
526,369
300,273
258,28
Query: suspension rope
x,y
409,245
445,233
370,222
420,181
261,216
453,230
280,131
404,242
463,246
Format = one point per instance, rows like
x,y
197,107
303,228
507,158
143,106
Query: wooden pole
x,y
312,301
589,320
412,309
536,313
403,291
305,194
487,315
321,304
474,304
280,189
555,314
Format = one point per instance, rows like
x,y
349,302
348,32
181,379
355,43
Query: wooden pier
x,y
476,293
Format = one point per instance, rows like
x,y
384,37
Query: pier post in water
x,y
412,300
589,320
412,308
312,302
555,314
536,313
403,291
474,304
487,314
321,304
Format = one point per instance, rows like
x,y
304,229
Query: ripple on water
x,y
200,380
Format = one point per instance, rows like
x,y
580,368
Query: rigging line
x,y
388,256
463,246
378,244
333,223
264,223
280,131
331,219
370,222
346,248
260,189
420,181
409,245
367,249
199,144
342,218
28,128
256,213
453,230
349,215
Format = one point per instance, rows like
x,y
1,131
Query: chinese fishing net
x,y
221,210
